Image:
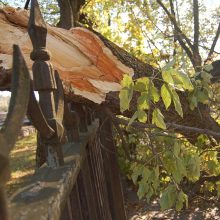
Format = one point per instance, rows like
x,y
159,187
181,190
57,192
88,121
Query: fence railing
x,y
77,177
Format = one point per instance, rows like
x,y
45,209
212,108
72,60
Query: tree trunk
x,y
69,12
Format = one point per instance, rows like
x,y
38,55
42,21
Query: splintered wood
x,y
86,66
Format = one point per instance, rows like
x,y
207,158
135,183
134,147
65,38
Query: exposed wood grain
x,y
83,61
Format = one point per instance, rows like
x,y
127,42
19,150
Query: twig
x,y
205,151
26,4
4,3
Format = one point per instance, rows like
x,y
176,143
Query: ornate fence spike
x,y
14,120
45,82
18,102
37,28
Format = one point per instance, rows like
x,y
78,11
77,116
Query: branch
x,y
196,26
174,22
140,125
27,4
180,35
214,42
174,31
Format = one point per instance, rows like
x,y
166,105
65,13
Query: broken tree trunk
x,y
90,66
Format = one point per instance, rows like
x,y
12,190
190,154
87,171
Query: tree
x,y
170,113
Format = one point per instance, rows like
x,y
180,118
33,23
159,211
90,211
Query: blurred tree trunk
x,y
69,12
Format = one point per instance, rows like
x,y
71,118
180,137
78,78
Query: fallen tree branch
x,y
140,125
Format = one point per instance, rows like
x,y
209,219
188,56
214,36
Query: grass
x,y
22,163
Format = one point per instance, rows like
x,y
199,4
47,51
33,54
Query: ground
x,y
200,207
23,165
22,162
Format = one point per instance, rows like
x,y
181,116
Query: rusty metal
x,y
109,154
89,115
71,123
80,110
59,98
48,85
14,120
37,118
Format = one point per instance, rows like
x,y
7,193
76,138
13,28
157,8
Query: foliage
x,y
164,162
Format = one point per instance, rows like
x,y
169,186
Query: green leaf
x,y
186,82
168,197
155,94
206,76
208,68
193,102
158,119
127,81
218,188
146,174
142,84
133,118
192,167
168,65
142,116
143,101
203,96
167,77
142,189
125,96
137,171
166,96
176,149
176,102
179,170
181,198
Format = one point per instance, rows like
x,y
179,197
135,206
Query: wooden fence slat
x,y
82,195
111,168
90,196
67,212
75,204
99,179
